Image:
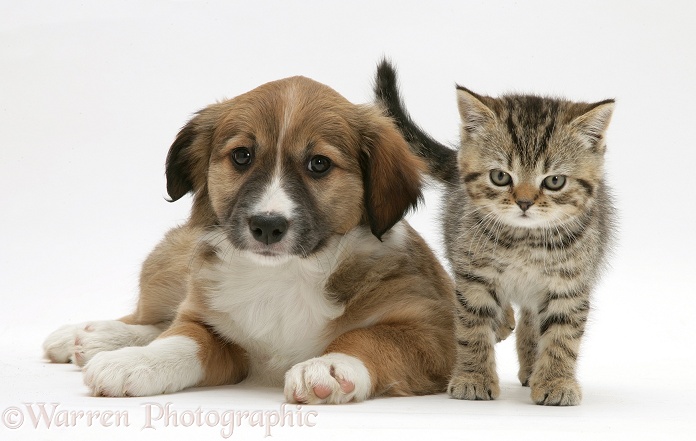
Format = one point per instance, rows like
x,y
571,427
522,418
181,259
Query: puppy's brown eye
x,y
241,156
319,165
500,178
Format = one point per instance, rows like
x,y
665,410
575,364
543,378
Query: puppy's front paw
x,y
473,386
331,379
556,392
164,366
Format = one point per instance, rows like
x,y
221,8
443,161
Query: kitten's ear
x,y
475,114
594,122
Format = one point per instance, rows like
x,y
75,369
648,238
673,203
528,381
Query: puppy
x,y
295,266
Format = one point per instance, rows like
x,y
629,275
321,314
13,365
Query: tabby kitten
x,y
528,219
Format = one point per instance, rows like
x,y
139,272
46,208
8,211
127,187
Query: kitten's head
x,y
531,162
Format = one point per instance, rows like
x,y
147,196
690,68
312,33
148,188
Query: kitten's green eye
x,y
500,178
554,183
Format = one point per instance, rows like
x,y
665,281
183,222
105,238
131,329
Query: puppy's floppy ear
x,y
187,160
392,175
178,168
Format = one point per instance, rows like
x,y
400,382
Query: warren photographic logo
x,y
153,415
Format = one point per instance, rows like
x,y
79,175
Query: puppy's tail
x,y
442,161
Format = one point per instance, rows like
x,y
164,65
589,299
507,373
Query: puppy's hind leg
x,y
163,282
78,343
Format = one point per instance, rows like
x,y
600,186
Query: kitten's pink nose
x,y
524,204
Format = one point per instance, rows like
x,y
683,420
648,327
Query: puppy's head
x,y
286,166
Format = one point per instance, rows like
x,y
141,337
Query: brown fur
x,y
398,304
391,178
414,318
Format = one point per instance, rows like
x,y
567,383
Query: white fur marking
x,y
275,199
522,284
164,366
278,314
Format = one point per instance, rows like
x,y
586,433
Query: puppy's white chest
x,y
279,315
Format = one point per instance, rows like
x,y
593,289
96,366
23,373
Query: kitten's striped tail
x,y
442,161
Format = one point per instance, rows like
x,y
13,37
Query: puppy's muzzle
x,y
268,229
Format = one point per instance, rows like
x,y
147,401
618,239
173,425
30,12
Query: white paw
x,y
79,343
166,365
59,346
331,379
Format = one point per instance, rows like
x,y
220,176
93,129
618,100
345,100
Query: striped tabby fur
x,y
527,221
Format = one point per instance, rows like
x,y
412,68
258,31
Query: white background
x,y
93,93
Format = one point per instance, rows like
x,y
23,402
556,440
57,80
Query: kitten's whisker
x,y
478,243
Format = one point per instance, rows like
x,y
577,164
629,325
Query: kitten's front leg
x,y
479,310
527,341
562,321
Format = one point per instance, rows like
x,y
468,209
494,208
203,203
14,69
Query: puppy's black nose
x,y
268,229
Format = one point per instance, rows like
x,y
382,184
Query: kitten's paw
x,y
557,392
506,326
473,386
167,365
79,343
524,374
331,379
